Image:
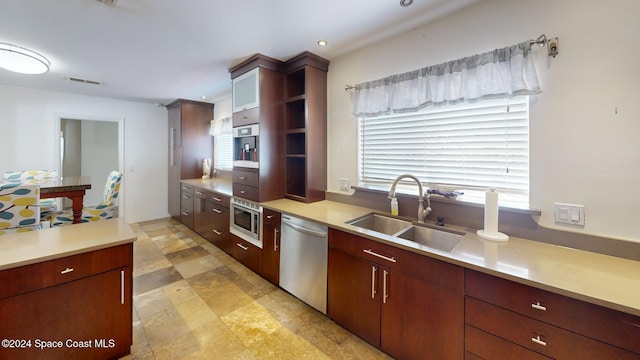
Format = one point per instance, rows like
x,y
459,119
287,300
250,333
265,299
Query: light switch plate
x,y
344,184
568,214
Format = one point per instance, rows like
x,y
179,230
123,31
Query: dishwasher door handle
x,y
305,230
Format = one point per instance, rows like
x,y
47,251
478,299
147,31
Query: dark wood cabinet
x,y
187,206
406,304
189,143
305,115
504,318
83,303
246,253
271,245
211,218
268,181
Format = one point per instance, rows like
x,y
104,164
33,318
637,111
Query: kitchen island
x,y
67,291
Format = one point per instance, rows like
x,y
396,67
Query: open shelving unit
x,y
306,127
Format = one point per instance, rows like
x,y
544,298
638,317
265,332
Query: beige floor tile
x,y
197,266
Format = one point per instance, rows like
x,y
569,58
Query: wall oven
x,y
245,146
246,221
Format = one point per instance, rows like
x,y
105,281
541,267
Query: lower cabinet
x,y
507,320
78,307
186,206
246,253
211,218
271,245
410,306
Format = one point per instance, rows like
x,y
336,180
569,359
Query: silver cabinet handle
x,y
385,295
216,232
243,178
122,287
66,271
217,199
217,211
185,213
373,282
371,252
199,193
538,341
242,191
269,216
245,248
538,306
275,239
244,116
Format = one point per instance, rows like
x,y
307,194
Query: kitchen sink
x,y
444,240
380,223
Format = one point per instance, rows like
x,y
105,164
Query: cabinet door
x,y
218,226
94,311
271,246
246,253
245,90
353,296
420,318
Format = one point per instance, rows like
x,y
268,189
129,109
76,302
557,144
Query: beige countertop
x,y
599,279
57,242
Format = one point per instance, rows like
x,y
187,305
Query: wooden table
x,y
72,187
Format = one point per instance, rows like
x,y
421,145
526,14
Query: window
x,y
467,147
223,151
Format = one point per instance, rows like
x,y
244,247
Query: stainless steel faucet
x,y
422,212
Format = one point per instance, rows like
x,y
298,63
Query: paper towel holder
x,y
491,209
497,236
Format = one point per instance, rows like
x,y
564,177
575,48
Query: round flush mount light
x,y
405,3
18,59
322,42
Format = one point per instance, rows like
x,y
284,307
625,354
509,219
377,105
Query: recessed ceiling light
x,y
405,3
18,59
322,42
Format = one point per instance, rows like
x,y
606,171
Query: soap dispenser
x,y
394,206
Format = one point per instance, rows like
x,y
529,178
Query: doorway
x,y
91,147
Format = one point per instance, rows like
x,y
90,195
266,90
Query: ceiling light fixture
x,y
322,42
18,59
405,3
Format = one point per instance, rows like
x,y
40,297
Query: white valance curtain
x,y
221,126
499,73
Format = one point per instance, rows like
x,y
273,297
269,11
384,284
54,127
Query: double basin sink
x,y
444,240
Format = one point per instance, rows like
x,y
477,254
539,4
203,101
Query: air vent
x,y
109,2
85,81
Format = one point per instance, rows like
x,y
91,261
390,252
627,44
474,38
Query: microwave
x,y
246,221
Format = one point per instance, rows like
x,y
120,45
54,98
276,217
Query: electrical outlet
x,y
344,184
568,214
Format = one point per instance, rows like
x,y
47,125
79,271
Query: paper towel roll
x,y
491,212
490,231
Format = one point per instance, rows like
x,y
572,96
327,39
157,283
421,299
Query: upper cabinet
x,y
246,91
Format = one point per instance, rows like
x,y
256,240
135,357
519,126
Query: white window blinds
x,y
223,151
473,145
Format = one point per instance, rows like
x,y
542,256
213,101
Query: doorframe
x,y
121,165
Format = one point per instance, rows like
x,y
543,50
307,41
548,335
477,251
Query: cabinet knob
x,y
66,271
538,341
538,306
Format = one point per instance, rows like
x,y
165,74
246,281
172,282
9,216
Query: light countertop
x,y
61,241
595,278
599,279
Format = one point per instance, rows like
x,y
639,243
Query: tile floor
x,y
193,301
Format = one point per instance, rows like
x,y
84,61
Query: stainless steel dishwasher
x,y
303,260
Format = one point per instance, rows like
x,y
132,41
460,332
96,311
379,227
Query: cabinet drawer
x,y
184,188
246,117
186,201
245,177
536,335
215,197
246,192
610,326
271,217
28,278
422,267
246,253
479,344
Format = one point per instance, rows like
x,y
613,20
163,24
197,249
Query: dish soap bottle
x,y
394,206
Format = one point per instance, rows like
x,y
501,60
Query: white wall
x,y
582,150
29,120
